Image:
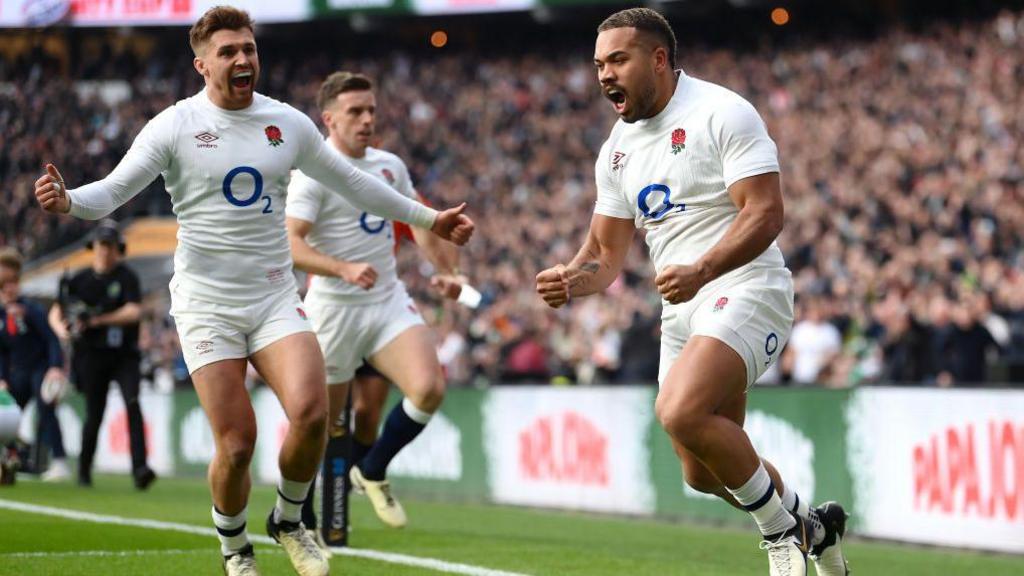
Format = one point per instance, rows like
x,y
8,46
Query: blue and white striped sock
x,y
231,531
758,497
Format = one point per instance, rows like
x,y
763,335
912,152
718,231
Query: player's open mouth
x,y
618,98
242,79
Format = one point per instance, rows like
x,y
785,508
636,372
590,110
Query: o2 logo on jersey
x,y
374,226
661,199
257,192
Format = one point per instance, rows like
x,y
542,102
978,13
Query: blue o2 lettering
x,y
257,180
371,228
664,206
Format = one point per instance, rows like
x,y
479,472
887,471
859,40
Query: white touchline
x,y
103,553
390,557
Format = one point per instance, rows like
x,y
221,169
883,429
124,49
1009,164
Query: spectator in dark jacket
x,y
33,356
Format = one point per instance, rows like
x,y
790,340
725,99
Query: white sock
x,y
290,496
759,498
231,531
415,414
792,502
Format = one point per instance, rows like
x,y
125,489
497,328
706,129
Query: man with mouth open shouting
x,y
692,163
226,155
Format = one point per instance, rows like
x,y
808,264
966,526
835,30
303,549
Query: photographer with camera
x,y
33,364
98,311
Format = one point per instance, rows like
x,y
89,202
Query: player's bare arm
x,y
595,266
759,222
448,280
311,260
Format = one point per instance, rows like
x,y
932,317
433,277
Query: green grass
x,y
533,542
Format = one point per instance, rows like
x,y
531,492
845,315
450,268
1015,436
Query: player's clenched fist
x,y
679,283
553,286
51,193
448,285
453,225
359,273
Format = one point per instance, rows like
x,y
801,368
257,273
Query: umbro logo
x,y
617,160
206,140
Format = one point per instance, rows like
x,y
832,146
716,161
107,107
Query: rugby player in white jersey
x,y
692,164
226,156
357,305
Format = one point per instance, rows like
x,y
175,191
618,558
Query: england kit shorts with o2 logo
x,y
349,333
210,331
752,314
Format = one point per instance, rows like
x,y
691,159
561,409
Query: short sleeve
x,y
304,198
743,142
610,200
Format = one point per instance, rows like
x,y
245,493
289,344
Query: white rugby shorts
x,y
349,333
752,314
210,332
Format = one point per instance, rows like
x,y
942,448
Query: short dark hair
x,y
10,258
339,83
645,20
217,18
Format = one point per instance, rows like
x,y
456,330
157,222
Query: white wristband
x,y
469,296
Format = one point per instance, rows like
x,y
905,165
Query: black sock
x,y
359,450
399,430
308,511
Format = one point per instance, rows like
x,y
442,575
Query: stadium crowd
x,y
903,169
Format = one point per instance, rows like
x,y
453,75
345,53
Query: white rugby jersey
x,y
670,173
342,231
227,172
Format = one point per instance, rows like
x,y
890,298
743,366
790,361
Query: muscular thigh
x,y
293,367
221,390
409,360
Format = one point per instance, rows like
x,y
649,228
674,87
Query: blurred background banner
x,y
35,13
939,466
927,466
20,13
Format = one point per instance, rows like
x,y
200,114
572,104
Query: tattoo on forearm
x,y
585,274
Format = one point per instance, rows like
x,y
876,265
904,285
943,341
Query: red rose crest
x,y
721,303
389,176
678,140
273,135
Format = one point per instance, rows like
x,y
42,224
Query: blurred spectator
x,y
902,164
813,346
33,368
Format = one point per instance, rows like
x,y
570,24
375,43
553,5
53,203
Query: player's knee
x,y
681,424
309,418
428,394
236,448
668,412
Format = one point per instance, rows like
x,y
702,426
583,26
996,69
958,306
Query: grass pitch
x,y
482,537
